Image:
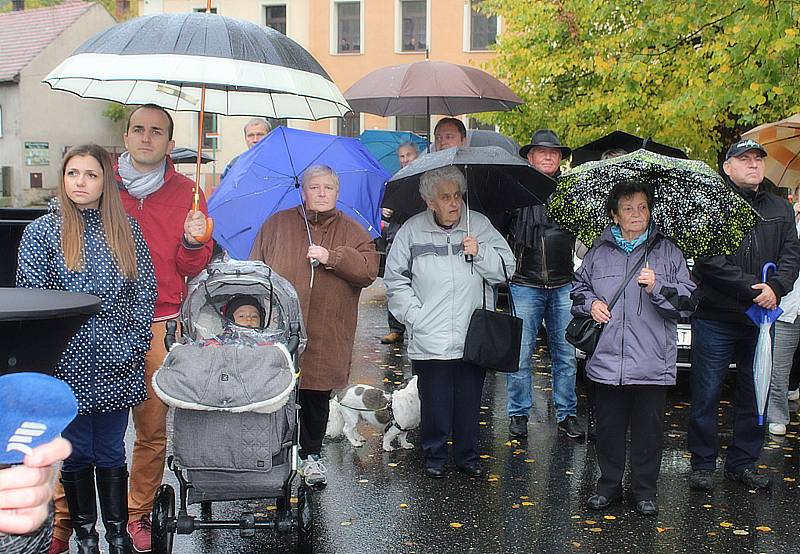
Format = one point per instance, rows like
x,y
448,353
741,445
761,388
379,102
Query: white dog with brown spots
x,y
395,413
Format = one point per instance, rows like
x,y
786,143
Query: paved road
x,y
532,501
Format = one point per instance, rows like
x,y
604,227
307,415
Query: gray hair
x,y
317,170
613,153
435,177
258,121
409,144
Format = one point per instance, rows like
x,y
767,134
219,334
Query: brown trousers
x,y
149,450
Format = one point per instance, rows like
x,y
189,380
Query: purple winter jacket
x,y
639,345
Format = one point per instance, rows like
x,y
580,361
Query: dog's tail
x,y
335,421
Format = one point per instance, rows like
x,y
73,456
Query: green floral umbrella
x,y
693,205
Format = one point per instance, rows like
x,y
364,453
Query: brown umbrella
x,y
430,88
781,140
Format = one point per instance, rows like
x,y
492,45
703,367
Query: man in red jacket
x,y
160,199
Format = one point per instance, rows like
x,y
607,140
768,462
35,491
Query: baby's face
x,y
247,316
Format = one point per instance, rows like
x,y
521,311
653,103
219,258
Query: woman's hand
x,y
647,279
600,312
26,490
470,246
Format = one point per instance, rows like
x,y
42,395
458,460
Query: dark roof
x,y
23,34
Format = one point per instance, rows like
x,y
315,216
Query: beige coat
x,y
330,309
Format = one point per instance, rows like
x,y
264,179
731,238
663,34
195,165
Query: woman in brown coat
x,y
328,277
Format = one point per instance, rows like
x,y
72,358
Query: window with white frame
x,y
349,125
347,17
482,28
413,25
275,17
210,134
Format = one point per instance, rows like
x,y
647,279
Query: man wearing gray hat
x,y
721,330
540,289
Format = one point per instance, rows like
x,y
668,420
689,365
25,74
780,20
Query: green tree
x,y
693,74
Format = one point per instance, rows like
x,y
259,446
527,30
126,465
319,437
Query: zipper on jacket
x,y
452,296
544,261
622,350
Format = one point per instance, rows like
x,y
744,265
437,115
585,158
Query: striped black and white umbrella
x,y
166,59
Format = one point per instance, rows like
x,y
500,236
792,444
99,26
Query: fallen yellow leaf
x,y
610,518
789,479
524,497
595,530
763,529
726,524
392,464
529,461
515,506
455,525
484,456
590,522
707,506
527,503
404,506
740,532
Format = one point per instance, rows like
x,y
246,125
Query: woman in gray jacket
x,y
635,357
433,291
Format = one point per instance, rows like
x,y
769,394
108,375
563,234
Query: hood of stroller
x,y
201,312
226,377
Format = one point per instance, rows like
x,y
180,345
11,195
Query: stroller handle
x,y
169,337
294,338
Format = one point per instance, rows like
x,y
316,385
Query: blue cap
x,y
34,409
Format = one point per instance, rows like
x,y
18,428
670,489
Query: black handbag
x,y
494,338
583,332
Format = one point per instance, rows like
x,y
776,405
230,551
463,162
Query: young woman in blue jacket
x,y
86,243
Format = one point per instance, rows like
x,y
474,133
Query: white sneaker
x,y
777,429
313,471
794,394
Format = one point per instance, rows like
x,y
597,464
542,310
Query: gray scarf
x,y
138,184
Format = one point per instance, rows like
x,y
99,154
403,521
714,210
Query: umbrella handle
x,y
205,237
765,271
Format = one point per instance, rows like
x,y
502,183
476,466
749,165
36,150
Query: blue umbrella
x,y
266,180
383,145
762,361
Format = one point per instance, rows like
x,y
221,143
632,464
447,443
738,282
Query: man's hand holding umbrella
x,y
194,227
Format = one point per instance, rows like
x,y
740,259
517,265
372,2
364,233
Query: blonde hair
x,y
116,227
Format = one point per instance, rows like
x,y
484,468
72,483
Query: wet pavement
x,y
532,497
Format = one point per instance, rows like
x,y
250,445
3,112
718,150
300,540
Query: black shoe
x,y
80,494
518,426
112,489
702,479
600,502
435,472
472,470
646,507
750,478
571,427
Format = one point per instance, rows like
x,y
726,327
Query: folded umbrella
x,y
593,151
694,207
383,146
762,360
496,180
266,179
188,156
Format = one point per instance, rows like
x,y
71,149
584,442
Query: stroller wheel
x,y
305,520
163,515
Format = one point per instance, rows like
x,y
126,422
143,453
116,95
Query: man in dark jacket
x,y
721,330
540,289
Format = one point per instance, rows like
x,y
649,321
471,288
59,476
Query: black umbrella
x,y
496,180
484,137
593,151
188,156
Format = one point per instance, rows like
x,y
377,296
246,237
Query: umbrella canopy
x,y
266,179
188,156
762,360
693,205
496,180
165,59
383,146
781,140
484,137
625,141
430,87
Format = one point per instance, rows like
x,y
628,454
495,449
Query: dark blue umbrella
x,y
383,146
266,180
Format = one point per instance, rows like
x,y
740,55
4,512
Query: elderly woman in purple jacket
x,y
634,361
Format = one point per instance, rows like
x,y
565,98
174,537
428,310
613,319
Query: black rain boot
x,y
79,491
112,486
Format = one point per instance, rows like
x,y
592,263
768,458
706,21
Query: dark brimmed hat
x,y
739,148
547,139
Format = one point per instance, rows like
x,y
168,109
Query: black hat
x,y
240,300
743,146
547,139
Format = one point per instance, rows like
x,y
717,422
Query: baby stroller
x,y
235,429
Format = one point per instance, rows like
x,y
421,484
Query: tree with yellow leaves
x,y
687,73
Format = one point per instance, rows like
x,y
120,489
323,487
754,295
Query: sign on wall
x,y
37,153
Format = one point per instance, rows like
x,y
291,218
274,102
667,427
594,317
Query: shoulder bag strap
x,y
629,276
510,298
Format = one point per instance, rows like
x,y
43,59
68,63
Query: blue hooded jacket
x,y
104,361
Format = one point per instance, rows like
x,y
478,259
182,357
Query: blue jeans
x,y
714,345
553,306
97,440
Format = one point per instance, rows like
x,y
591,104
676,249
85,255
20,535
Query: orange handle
x,y
205,237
